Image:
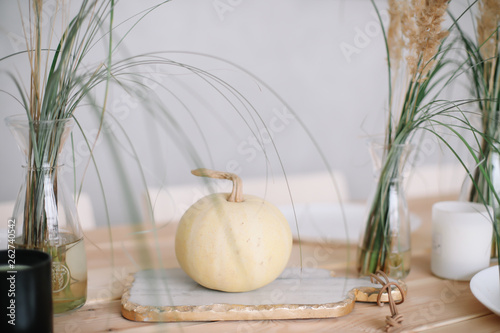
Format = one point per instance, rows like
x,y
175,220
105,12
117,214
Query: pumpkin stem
x,y
237,193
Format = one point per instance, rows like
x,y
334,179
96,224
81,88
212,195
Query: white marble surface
x,y
172,287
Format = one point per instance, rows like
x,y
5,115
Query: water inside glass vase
x,y
45,214
385,242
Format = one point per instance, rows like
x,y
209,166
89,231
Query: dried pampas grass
x,y
488,21
487,27
415,30
396,43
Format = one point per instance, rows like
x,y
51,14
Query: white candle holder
x,y
461,239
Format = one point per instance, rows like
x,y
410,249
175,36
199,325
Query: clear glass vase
x,y
45,213
385,242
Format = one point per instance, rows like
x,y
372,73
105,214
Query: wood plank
x,y
486,323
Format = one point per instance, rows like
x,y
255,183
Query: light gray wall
x,y
326,59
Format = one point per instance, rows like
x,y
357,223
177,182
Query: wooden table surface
x,y
433,304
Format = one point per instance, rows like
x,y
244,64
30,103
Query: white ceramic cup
x,y
461,239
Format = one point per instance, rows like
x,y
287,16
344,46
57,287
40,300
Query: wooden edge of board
x,y
221,312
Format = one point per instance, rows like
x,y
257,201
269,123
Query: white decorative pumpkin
x,y
231,242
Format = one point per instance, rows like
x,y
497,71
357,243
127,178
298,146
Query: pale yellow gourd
x,y
232,242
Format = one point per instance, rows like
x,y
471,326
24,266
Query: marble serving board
x,y
164,295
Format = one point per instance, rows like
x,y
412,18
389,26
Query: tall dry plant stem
x,y
488,21
35,56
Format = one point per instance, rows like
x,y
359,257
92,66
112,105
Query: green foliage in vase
x,y
417,68
482,62
420,66
59,82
